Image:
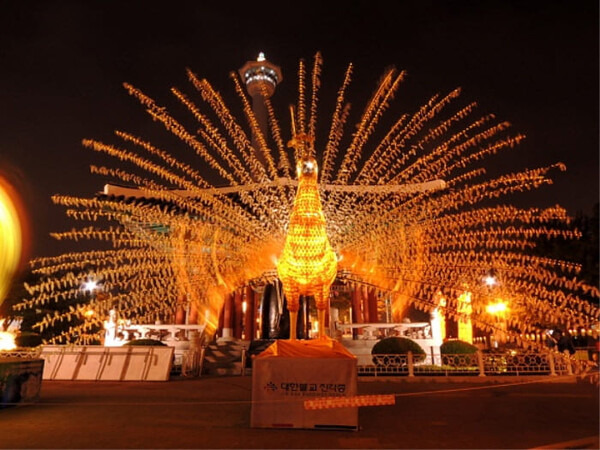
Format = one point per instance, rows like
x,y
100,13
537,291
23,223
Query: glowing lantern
x,y
438,319
499,308
465,327
308,264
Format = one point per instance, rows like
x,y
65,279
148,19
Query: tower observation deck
x,y
261,78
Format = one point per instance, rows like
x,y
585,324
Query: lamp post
x,y
90,286
498,309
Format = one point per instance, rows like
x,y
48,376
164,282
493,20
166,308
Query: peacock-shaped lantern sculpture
x,y
307,265
214,208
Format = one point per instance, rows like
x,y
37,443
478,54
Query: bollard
x,y
480,363
409,360
201,363
244,356
551,362
567,357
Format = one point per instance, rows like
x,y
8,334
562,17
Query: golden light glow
x,y
7,341
10,238
498,308
441,322
179,235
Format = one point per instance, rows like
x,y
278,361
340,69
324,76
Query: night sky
x,y
62,65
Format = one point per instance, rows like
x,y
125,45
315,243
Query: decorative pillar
x,y
465,327
228,311
364,294
356,309
373,313
180,315
220,325
193,316
328,321
441,309
238,315
249,316
438,331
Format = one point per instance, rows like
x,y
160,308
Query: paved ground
x,y
215,413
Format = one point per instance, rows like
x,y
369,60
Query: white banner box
x,y
281,384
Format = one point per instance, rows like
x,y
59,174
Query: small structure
x,y
290,372
20,379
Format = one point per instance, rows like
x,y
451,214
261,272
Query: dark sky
x,y
534,63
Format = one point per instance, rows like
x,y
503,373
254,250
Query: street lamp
x,y
490,280
90,286
497,309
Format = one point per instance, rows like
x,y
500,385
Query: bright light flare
x,y
90,285
10,237
490,280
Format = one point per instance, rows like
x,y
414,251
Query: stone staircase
x,y
224,357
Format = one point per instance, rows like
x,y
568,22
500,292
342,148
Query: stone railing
x,y
418,330
117,335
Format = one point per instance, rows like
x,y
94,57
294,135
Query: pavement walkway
x,y
214,412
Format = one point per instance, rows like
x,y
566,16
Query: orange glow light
x,y
10,238
7,341
498,308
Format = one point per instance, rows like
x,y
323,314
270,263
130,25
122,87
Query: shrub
x,y
456,347
147,342
452,350
28,339
397,346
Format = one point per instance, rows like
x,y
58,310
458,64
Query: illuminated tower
x,y
261,78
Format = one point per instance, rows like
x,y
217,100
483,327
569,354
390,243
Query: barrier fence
x,y
476,364
511,363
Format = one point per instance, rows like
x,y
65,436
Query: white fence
x,y
156,363
476,364
96,363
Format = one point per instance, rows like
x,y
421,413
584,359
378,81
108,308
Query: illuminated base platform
x,y
290,372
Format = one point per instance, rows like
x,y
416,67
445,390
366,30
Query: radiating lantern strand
x,y
182,234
